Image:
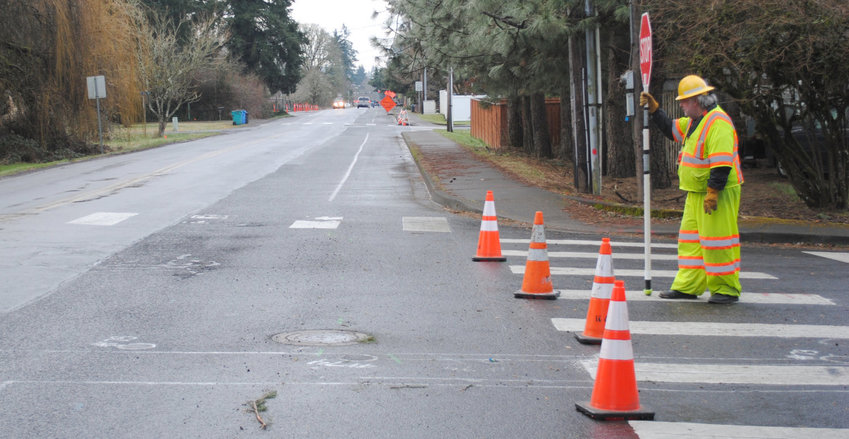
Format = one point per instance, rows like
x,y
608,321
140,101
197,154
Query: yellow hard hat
x,y
690,86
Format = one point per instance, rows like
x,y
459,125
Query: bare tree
x,y
784,63
323,75
168,69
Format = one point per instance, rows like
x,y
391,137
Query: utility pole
x,y
424,89
593,81
450,117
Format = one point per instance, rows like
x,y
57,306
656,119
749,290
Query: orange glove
x,y
646,98
710,200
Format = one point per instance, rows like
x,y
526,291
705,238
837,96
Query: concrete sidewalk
x,y
463,186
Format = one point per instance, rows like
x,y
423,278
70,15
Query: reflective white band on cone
x,y
616,350
602,290
537,254
489,226
617,317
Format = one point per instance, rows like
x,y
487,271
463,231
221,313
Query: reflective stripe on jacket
x,y
713,143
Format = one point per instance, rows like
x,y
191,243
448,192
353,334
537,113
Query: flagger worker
x,y
709,171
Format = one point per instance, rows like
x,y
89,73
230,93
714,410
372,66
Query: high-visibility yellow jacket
x,y
712,144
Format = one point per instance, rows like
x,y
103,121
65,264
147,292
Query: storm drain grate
x,y
322,337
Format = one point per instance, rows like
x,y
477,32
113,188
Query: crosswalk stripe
x,y
103,218
755,374
425,224
747,297
690,430
718,329
613,244
837,256
574,271
589,255
322,222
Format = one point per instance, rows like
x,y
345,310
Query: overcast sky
x,y
355,14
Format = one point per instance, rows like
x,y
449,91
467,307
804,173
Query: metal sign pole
x,y
99,125
97,89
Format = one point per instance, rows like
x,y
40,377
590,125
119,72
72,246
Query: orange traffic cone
x,y
537,281
602,288
489,243
615,393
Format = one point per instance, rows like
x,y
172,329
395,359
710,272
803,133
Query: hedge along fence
x,y
489,122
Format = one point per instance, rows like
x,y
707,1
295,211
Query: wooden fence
x,y
489,122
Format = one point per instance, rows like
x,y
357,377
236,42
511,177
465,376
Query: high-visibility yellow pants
x,y
709,246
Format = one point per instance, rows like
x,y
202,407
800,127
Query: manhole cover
x,y
321,337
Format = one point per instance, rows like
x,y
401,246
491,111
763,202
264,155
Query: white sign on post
x,y
96,87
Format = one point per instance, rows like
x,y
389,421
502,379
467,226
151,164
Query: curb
x,y
750,231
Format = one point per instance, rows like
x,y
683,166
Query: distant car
x,y
374,103
363,101
339,103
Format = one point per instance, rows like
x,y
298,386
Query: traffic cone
x,y
602,288
615,393
537,281
489,243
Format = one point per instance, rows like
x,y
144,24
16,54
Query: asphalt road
x,y
146,295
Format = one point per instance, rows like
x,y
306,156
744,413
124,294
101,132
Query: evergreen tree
x,y
346,50
266,39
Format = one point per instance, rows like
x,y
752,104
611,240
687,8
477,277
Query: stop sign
x,y
645,50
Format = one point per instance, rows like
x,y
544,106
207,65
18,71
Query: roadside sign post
x,y
645,75
96,90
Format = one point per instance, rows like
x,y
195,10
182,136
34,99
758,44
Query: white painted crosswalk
x,y
719,329
591,255
575,271
425,224
836,256
572,259
750,297
689,430
755,374
103,218
322,222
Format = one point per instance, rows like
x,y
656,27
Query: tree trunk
x,y
542,140
564,150
579,126
514,121
620,154
527,126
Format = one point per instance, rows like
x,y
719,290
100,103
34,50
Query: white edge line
x,y
350,168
